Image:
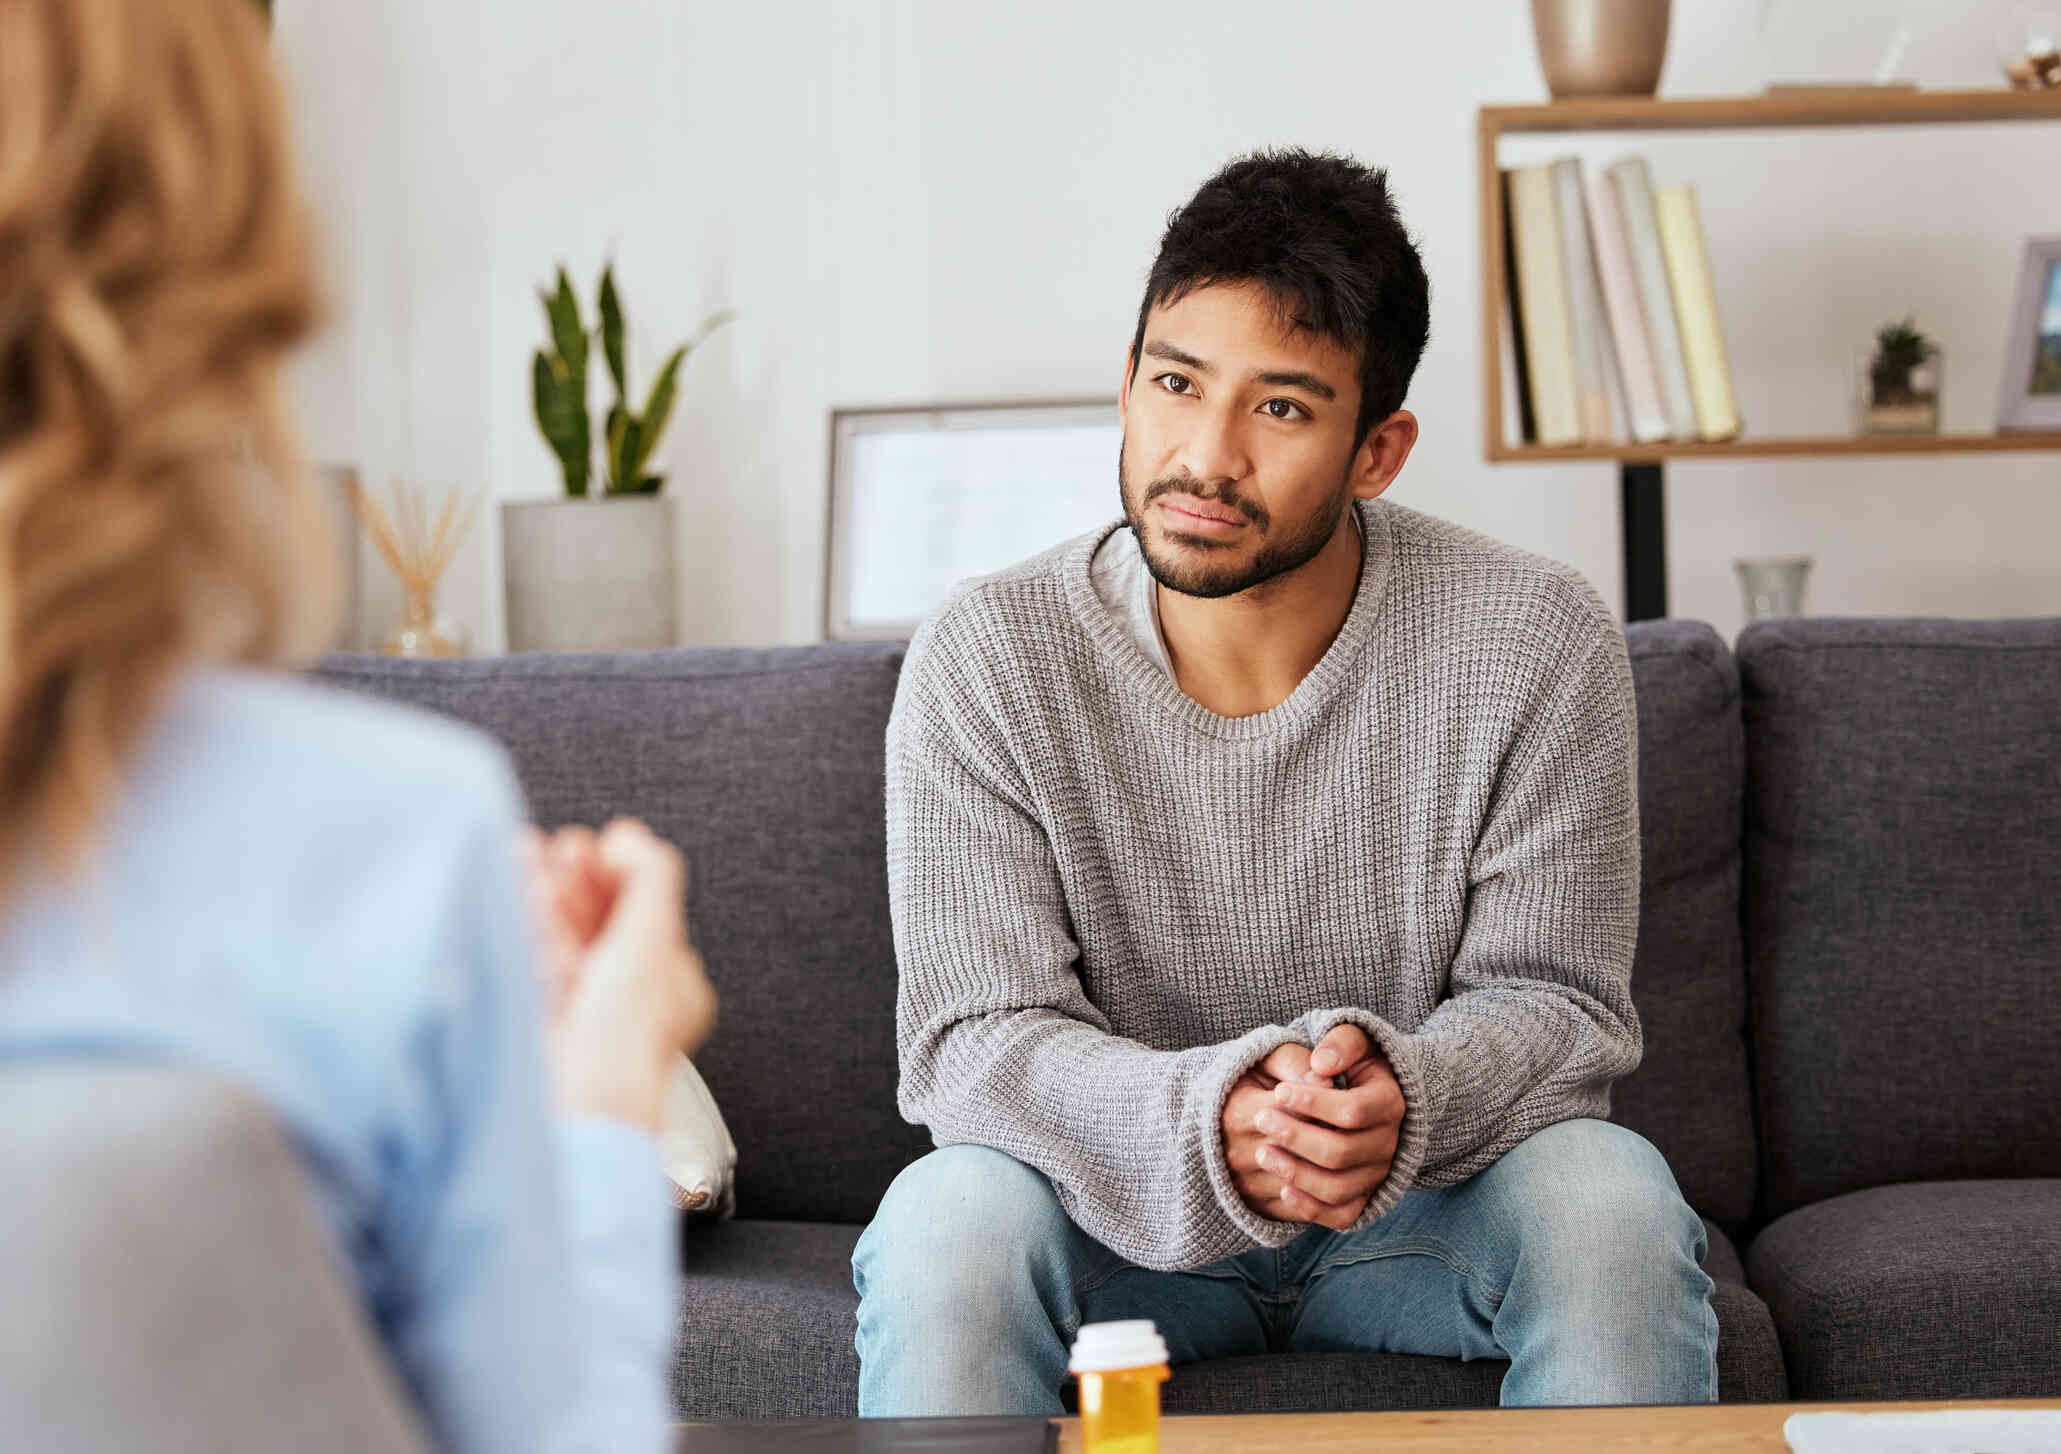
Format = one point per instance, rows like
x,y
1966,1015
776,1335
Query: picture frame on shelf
x,y
2030,395
924,496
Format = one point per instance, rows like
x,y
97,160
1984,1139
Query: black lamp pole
x,y
1643,512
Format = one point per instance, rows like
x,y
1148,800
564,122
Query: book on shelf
x,y
1542,305
1520,424
1585,305
1629,336
1703,343
1612,304
1633,184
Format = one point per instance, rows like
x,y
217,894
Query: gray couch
x,y
1849,973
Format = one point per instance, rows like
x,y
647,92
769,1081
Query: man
x,y
1265,878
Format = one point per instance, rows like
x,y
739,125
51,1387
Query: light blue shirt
x,y
316,894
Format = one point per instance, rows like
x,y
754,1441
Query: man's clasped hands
x,y
1309,1132
1300,1147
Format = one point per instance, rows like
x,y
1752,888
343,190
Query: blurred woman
x,y
205,860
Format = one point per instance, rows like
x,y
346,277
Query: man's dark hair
x,y
1320,233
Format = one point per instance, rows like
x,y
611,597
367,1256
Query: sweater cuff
x,y
1420,1073
1239,1056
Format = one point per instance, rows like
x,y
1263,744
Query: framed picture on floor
x,y
2031,394
922,498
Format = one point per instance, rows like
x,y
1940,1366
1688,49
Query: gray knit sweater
x,y
1110,902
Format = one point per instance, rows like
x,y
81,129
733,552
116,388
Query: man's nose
x,y
1213,450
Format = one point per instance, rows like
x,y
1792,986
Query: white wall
x,y
916,200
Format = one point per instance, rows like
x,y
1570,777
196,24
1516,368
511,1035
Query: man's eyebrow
x,y
1297,379
1167,351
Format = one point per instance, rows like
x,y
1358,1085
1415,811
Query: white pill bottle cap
x,y
1108,1347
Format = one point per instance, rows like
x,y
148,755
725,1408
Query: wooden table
x,y
1692,1429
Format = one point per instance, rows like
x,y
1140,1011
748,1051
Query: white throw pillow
x,y
695,1146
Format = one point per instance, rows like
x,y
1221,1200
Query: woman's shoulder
x,y
320,871
328,805
307,746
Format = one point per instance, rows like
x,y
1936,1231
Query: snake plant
x,y
558,388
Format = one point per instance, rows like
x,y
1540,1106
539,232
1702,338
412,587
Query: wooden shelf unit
x,y
1640,464
2015,440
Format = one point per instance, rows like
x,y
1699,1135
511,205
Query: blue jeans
x,y
1574,1257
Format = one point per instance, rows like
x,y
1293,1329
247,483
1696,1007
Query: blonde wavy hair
x,y
155,267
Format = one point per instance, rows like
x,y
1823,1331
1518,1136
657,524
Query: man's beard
x,y
1209,579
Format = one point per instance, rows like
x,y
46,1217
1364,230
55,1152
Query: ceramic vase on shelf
x,y
1600,47
592,574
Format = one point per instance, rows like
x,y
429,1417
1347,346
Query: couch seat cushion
x,y
768,1313
767,1318
1918,1291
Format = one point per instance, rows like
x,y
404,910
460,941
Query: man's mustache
x,y
1219,495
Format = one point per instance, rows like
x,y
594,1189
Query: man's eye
x,y
1175,383
1282,408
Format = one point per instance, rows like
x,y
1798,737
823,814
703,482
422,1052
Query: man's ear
x,y
1382,453
1123,392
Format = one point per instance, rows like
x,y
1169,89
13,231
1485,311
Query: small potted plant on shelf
x,y
594,572
1900,382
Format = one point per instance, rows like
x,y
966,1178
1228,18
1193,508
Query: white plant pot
x,y
588,575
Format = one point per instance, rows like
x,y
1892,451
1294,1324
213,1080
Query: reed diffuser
x,y
418,552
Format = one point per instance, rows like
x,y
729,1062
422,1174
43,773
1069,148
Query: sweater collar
x,y
1339,665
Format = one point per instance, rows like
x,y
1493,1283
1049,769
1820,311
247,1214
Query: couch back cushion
x,y
1690,1096
766,767
1903,900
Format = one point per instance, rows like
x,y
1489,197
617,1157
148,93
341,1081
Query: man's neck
x,y
1245,654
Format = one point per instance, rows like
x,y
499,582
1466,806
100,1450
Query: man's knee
x,y
962,1226
1600,1208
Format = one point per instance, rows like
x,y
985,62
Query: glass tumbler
x,y
1773,585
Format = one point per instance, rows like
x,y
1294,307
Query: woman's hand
x,y
625,993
